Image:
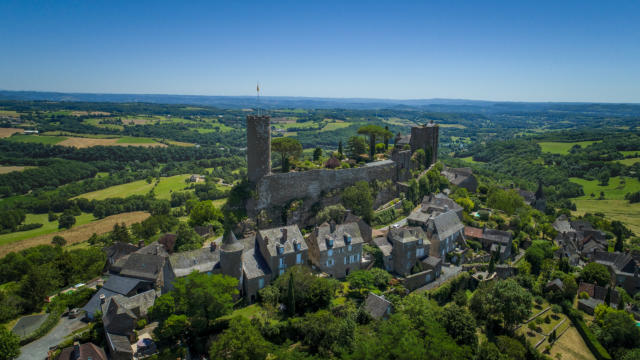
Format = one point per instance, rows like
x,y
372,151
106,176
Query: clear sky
x,y
491,50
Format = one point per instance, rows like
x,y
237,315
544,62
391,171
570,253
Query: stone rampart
x,y
279,189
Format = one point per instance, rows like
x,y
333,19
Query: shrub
x,y
583,295
140,324
589,337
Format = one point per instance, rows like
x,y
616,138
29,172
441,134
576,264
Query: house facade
x,y
336,249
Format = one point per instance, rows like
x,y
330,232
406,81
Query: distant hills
x,y
272,102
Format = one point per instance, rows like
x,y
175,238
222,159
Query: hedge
x,y
56,310
592,342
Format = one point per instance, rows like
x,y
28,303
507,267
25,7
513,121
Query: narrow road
x,y
37,350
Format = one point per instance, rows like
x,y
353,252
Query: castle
x,y
275,192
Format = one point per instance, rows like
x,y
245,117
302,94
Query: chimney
x,y
284,235
213,246
76,350
266,240
103,298
332,225
446,208
140,244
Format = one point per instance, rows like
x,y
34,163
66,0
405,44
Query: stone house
x,y
461,177
336,249
623,268
377,306
115,285
184,263
493,241
432,206
282,248
446,232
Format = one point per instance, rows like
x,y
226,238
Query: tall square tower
x,y
258,147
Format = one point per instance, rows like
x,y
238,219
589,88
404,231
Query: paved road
x,y
37,350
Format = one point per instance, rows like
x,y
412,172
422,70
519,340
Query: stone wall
x,y
417,280
277,190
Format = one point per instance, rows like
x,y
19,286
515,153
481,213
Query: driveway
x,y
37,350
448,272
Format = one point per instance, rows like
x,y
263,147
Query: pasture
x,y
9,114
140,187
621,210
47,140
556,147
76,234
615,190
47,227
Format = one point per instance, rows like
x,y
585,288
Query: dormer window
x,y
419,241
329,242
280,249
296,245
347,239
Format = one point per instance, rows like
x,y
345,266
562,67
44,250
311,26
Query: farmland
x,y
6,132
8,169
47,140
77,233
48,227
85,142
628,214
562,148
615,190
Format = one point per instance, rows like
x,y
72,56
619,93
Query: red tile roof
x,y
472,232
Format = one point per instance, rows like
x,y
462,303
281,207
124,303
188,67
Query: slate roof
x,y
499,236
254,265
119,249
408,234
155,248
384,245
201,260
376,305
473,232
143,266
619,261
581,225
324,231
591,303
402,140
121,285
275,236
120,343
230,243
447,224
562,224
556,283
457,176
93,305
136,305
432,261
86,351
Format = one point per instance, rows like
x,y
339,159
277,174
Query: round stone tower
x,y
231,256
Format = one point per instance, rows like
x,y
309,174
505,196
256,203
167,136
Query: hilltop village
x,y
340,258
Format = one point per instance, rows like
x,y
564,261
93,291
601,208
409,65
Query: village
x,y
439,246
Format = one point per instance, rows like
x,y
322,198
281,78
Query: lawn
x,y
49,140
140,187
135,140
563,148
615,190
47,227
469,159
635,153
571,346
8,169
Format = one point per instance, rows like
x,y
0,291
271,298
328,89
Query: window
x,y
349,248
282,263
330,252
298,258
419,241
281,272
330,262
428,277
419,252
345,260
260,283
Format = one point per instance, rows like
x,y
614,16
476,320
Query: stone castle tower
x,y
426,137
258,147
231,256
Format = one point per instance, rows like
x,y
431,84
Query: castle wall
x,y
279,189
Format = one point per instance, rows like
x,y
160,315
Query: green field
x,y
457,126
335,126
135,140
140,187
635,153
49,140
47,227
70,134
9,113
96,122
469,159
614,191
621,210
629,161
563,148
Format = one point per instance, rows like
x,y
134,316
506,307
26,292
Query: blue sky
x,y
491,50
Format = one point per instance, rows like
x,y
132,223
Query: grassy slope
x,y
614,206
51,140
47,228
562,147
135,140
140,187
